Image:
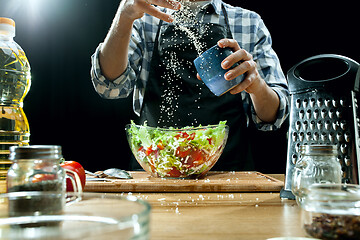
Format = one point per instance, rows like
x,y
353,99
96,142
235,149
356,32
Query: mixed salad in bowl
x,y
177,153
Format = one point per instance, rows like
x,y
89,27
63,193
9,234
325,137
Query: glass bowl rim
x,y
143,213
177,129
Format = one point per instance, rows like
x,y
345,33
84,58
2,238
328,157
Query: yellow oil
x,y
15,83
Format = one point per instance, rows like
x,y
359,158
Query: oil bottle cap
x,y
7,27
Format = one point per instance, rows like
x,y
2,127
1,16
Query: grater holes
x,y
331,113
327,125
343,125
347,161
319,125
305,103
294,136
312,125
312,102
316,113
301,114
332,137
305,125
319,102
327,102
308,136
335,103
318,118
316,136
294,158
323,113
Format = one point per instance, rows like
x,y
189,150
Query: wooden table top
x,y
253,215
241,215
222,216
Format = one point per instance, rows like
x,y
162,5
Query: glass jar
x,y
318,164
37,168
332,211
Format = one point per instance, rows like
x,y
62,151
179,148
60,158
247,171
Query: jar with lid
x,y
37,168
332,211
318,164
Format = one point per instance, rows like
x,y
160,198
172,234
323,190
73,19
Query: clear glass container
x,y
318,164
332,211
15,81
36,168
93,216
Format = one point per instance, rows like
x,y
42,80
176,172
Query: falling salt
x,y
186,21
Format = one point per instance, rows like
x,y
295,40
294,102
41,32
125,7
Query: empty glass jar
x,y
318,164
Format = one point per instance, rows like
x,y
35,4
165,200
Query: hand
x,y
265,100
252,80
136,8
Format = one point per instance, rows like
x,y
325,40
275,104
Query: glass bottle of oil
x,y
15,81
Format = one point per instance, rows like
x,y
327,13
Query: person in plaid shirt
x,y
140,46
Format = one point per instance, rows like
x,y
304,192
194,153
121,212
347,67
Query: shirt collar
x,y
217,5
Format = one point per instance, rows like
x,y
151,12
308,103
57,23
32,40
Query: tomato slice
x,y
174,172
160,145
192,136
182,135
182,152
194,158
149,150
198,157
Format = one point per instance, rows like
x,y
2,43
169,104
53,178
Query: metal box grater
x,y
324,92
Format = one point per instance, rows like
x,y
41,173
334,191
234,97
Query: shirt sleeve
x,y
270,70
122,86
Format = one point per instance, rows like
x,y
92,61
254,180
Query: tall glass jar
x,y
318,164
36,168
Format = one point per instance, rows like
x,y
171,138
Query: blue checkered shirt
x,y
247,28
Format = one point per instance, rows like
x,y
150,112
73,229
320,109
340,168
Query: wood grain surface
x,y
212,182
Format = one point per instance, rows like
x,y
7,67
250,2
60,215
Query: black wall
x,y
59,37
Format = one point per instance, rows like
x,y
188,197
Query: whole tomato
x,y
76,167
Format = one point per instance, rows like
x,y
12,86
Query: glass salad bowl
x,y
177,153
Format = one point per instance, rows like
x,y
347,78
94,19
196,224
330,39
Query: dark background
x,y
59,37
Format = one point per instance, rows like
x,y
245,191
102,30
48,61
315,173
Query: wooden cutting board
x,y
212,182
